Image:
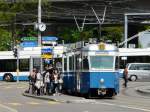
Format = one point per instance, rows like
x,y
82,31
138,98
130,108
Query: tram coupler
x,y
101,91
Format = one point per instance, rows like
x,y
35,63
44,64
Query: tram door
x,y
78,72
35,62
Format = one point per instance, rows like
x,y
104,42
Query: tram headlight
x,y
101,80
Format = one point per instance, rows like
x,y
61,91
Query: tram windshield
x,y
101,62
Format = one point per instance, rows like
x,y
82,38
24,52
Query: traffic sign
x,y
47,56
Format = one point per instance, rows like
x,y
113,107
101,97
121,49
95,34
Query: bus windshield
x,y
101,62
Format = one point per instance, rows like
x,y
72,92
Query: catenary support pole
x,y
125,30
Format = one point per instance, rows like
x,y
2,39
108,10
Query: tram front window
x,y
101,62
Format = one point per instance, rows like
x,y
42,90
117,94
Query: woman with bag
x,y
39,83
56,78
32,80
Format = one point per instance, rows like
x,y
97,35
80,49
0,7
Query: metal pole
x,y
39,21
100,31
63,57
125,30
39,32
17,63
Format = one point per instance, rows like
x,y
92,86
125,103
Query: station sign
x,y
47,56
49,38
29,44
29,39
48,42
46,50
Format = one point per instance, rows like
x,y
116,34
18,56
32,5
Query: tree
x,y
5,40
73,35
112,33
11,13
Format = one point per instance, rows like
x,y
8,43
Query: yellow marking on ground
x,y
8,108
21,87
15,104
33,103
52,102
8,87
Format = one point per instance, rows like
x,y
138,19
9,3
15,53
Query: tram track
x,y
126,91
130,99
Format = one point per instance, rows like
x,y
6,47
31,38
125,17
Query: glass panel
x,y
8,65
85,63
65,64
70,63
102,62
24,65
36,63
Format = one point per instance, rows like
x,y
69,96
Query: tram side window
x,y
85,64
117,65
65,64
24,64
78,64
71,63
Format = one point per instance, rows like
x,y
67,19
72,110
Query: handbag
x,y
60,80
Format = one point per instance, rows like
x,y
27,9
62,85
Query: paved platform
x,y
63,98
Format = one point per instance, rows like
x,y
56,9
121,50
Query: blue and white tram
x,y
91,70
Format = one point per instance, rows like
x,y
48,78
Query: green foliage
x,y
113,33
108,33
10,11
73,35
5,40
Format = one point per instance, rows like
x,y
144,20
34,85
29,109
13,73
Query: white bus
x,y
28,58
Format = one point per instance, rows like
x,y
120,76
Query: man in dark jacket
x,y
125,77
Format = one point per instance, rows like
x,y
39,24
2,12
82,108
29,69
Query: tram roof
x,y
96,47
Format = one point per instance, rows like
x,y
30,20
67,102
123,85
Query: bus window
x,y
8,65
24,65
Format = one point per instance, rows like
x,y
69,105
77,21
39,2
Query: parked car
x,y
138,71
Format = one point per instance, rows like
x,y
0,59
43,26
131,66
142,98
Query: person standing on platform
x,y
125,77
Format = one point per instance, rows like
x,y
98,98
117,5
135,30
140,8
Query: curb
x,y
45,98
60,100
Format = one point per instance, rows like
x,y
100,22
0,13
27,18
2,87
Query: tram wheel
x,y
8,77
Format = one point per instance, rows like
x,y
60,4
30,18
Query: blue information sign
x,y
49,38
29,44
47,50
